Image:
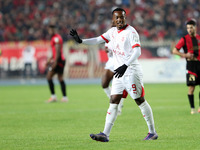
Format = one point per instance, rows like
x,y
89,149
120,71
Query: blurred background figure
x,y
56,64
0,61
28,54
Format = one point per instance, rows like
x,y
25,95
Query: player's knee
x,y
139,101
191,89
48,77
115,99
104,85
50,81
62,81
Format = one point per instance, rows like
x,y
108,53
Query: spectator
x,y
28,58
27,19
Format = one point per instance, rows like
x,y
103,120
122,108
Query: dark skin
x,y
119,19
106,78
107,75
53,64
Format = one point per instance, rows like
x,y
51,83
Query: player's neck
x,y
193,35
122,28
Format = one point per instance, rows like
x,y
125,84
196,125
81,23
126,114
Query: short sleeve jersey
x,y
57,39
123,42
190,44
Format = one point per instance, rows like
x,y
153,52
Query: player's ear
x,y
124,16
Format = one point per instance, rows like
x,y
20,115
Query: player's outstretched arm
x,y
74,34
90,41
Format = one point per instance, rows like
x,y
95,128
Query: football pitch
x,y
28,123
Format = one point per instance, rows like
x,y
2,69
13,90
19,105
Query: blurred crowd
x,y
153,19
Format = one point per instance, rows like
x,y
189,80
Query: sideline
x,y
42,81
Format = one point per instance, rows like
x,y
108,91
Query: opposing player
x,y
56,64
127,75
190,44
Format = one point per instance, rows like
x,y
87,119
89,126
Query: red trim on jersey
x,y
53,43
190,72
123,28
136,45
143,93
125,94
104,39
180,43
187,44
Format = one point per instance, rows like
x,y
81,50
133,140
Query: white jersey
x,y
123,42
108,46
125,45
110,63
28,54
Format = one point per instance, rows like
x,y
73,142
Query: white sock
x,y
53,96
121,103
107,91
148,116
120,106
110,118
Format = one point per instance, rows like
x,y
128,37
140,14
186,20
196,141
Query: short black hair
x,y
118,9
191,22
52,26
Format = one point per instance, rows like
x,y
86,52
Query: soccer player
x,y
127,75
56,64
190,44
108,76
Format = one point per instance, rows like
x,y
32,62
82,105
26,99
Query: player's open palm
x,y
74,34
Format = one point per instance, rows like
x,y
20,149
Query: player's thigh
x,y
106,78
198,73
60,73
134,85
50,74
117,86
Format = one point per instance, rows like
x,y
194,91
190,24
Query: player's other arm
x,y
136,53
119,72
90,41
184,55
49,61
176,50
58,55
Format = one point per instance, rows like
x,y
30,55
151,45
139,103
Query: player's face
x,y
191,29
50,30
119,18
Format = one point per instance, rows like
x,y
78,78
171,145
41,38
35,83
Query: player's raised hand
x,y
119,72
74,34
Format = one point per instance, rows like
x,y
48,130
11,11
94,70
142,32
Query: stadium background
x,y
28,123
159,23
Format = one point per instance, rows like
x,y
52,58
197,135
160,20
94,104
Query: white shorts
x,y
132,83
110,64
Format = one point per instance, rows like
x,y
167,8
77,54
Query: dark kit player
x,y
56,64
191,46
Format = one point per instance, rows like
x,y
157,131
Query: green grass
x,y
28,123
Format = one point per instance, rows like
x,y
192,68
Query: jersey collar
x,y
123,28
